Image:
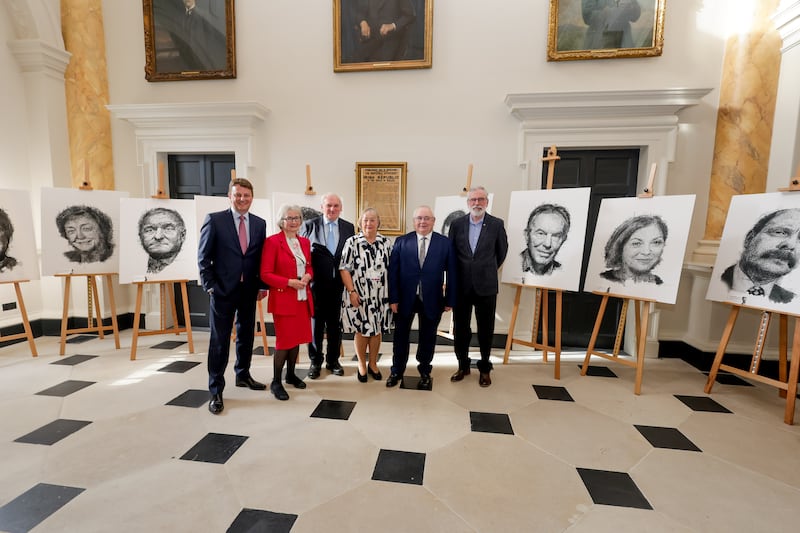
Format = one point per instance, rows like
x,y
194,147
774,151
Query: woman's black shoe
x,y
361,377
375,375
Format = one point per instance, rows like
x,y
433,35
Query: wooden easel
x,y
642,319
541,304
787,387
166,288
92,296
28,334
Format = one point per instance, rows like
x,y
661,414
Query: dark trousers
x,y
425,346
241,304
462,332
327,311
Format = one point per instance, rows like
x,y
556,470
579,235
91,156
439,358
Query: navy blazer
x,y
324,263
479,270
220,258
405,274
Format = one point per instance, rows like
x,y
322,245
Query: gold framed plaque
x,y
382,186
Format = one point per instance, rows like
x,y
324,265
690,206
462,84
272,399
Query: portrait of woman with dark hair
x,y
88,231
6,232
635,249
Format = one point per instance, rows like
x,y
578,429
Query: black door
x,y
610,174
190,175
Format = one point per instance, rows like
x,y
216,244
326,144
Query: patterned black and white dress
x,y
368,264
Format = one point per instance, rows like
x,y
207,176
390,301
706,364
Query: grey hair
x,y
285,208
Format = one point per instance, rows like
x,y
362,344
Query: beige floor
x,y
746,478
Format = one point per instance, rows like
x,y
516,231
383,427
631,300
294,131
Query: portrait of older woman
x,y
6,232
89,232
634,249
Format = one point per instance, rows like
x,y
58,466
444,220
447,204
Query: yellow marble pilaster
x,y
86,81
748,90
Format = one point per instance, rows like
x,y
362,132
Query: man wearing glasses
x,y
481,245
418,265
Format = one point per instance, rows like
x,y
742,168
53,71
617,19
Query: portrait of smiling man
x,y
545,233
771,251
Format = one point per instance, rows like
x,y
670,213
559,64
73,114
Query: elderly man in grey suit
x,y
481,246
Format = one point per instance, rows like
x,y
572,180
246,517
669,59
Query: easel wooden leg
x,y
545,306
641,339
623,317
723,344
263,325
113,304
64,315
794,370
136,315
783,336
25,323
511,324
557,370
174,304
595,332
92,281
186,316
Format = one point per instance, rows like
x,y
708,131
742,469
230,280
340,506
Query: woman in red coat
x,y
286,268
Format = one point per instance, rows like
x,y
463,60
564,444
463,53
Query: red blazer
x,y
278,265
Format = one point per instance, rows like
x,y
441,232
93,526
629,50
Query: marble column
x,y
86,82
748,91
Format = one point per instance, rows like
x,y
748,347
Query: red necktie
x,y
242,234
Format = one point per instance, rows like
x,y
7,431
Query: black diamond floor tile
x,y
546,392
412,382
53,432
726,378
702,403
179,367
30,508
78,339
490,423
599,371
259,350
613,488
214,448
168,345
73,360
190,398
669,438
334,409
399,467
254,520
65,388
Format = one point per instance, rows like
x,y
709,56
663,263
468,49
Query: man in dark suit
x,y
229,257
384,29
327,234
481,246
771,251
417,268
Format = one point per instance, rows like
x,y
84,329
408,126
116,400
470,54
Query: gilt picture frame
x,y
382,34
189,40
605,29
382,186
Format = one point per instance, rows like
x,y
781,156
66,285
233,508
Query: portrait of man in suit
x,y
481,245
229,259
6,232
771,250
545,233
418,265
161,233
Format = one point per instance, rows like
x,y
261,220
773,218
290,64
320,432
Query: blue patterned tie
x,y
331,244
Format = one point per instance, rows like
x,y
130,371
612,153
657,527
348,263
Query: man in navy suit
x,y
417,268
327,234
229,257
481,246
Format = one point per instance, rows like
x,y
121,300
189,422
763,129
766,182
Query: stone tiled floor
x,y
92,441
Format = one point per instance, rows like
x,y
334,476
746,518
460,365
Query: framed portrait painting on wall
x,y
602,29
382,34
189,40
382,186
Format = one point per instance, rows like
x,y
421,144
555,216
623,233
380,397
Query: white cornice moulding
x,y
787,22
613,108
190,116
35,55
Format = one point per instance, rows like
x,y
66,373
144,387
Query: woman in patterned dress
x,y
365,303
286,268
